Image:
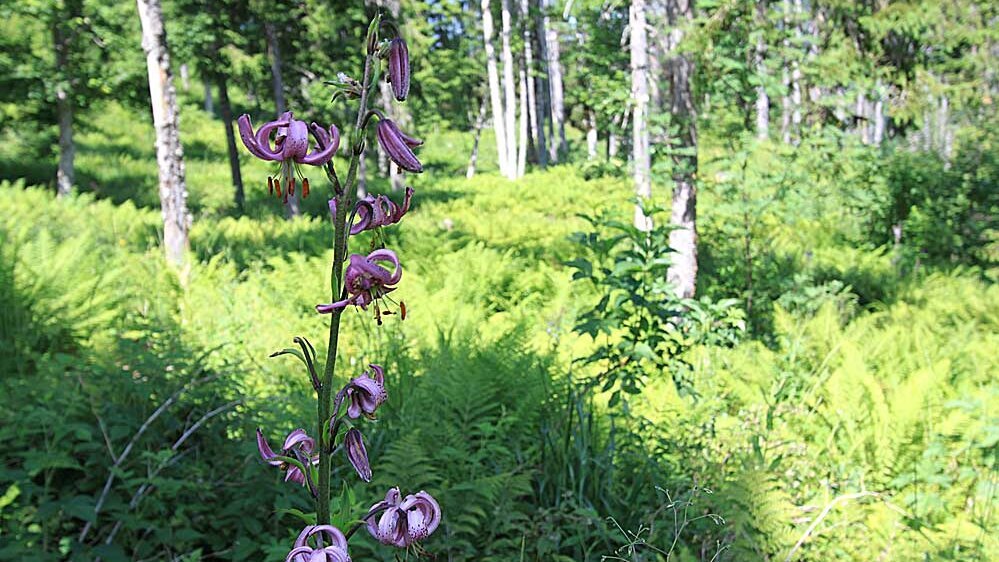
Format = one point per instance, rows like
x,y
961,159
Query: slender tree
x,y
682,273
641,157
509,90
535,134
169,152
62,36
759,62
556,93
495,94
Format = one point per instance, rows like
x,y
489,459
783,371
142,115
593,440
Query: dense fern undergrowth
x,y
853,419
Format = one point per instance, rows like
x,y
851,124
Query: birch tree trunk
x,y
509,91
759,54
495,94
532,97
642,159
556,94
239,195
682,273
591,133
541,112
66,172
480,122
169,152
523,126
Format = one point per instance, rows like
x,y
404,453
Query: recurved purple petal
x,y
398,68
294,475
357,454
265,449
246,135
396,147
263,139
299,437
388,255
327,145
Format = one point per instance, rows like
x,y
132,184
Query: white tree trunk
x,y
682,273
473,159
185,77
66,172
532,98
523,126
169,152
495,94
642,161
509,91
879,115
591,134
556,93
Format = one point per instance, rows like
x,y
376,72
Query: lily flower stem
x,y
339,255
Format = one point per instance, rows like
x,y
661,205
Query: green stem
x,y
345,202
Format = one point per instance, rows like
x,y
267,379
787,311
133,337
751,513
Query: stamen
x,y
270,185
291,186
305,188
402,310
277,186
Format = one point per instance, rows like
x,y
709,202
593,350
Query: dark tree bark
x,y
169,152
239,196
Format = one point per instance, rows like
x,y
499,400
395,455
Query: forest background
x,y
812,377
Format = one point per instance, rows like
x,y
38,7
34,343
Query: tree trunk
x,y
556,94
239,196
66,172
523,126
642,159
209,100
509,92
879,115
274,54
185,77
542,93
591,133
532,97
495,94
169,152
759,60
480,121
682,273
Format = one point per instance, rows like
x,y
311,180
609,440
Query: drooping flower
x,y
366,392
290,148
357,454
297,444
398,145
330,545
375,211
404,521
398,68
366,281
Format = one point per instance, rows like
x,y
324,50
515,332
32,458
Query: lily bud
x,y
398,68
357,454
398,146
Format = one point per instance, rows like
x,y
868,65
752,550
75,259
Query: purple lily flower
x,y
376,211
290,149
366,392
398,68
366,281
398,145
297,444
404,521
357,454
333,549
